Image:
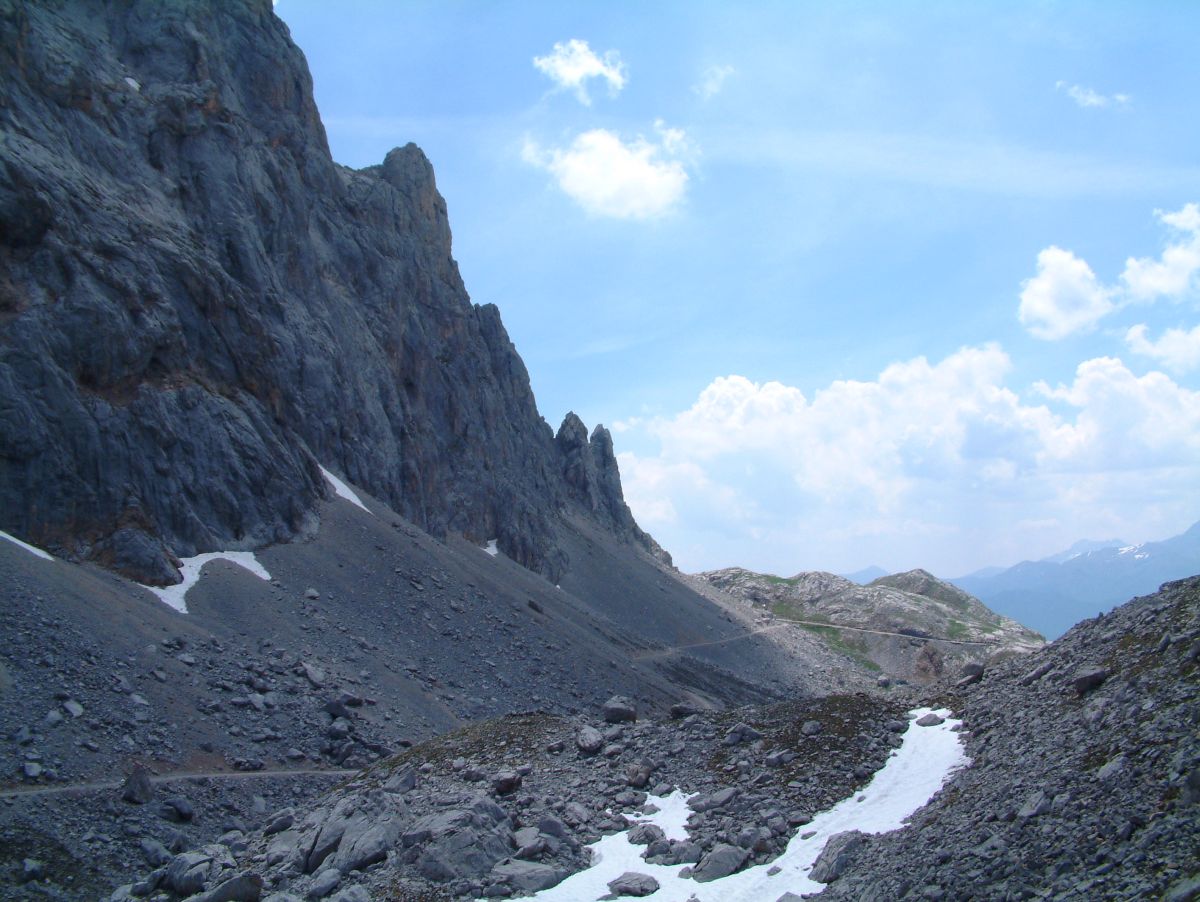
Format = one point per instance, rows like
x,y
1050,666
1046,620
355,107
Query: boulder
x,y
589,741
722,861
837,856
527,877
619,709
137,789
632,883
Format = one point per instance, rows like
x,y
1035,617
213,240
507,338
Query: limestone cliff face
x,y
198,307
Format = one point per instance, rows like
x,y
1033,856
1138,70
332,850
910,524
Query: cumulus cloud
x,y
572,64
712,80
607,176
1174,273
1064,297
926,449
1177,349
1090,99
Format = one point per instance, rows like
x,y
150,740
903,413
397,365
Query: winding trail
x,y
157,779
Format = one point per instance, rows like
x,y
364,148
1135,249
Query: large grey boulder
x,y
632,883
837,856
721,861
619,709
527,876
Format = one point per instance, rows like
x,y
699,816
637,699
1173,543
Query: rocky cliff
x,y
199,309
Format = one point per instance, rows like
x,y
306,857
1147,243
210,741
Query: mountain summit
x,y
200,309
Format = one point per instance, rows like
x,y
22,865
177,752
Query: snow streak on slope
x,y
176,596
911,777
342,490
30,548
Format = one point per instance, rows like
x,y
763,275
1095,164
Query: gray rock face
x,y
836,857
199,307
722,861
632,883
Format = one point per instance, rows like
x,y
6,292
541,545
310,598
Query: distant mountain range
x,y
1090,577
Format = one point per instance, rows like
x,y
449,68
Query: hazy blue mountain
x,y
1052,595
1083,546
865,575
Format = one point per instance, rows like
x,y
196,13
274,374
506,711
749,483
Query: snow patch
x,y
909,779
30,548
176,596
1129,549
493,547
342,490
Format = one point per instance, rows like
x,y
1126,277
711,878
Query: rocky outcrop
x,y
198,307
909,625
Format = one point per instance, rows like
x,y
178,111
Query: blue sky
x,y
908,284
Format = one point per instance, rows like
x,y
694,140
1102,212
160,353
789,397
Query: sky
x,y
898,284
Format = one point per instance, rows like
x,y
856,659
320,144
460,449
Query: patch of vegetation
x,y
853,648
956,630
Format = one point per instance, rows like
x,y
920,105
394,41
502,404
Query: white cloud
x,y
1174,273
762,475
1089,99
571,64
1064,297
1178,350
712,80
640,179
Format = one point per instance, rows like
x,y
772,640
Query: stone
x,y
589,741
721,861
314,674
179,809
324,883
351,894
810,727
155,853
1088,678
619,709
137,789
240,888
188,872
366,840
506,782
1035,806
929,720
836,857
527,876
713,800
632,883
32,869
73,708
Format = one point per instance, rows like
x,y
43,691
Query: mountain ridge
x,y
1053,594
201,308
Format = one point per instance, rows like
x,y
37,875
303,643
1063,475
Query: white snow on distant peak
x,y
493,547
1129,549
910,778
342,490
176,596
30,548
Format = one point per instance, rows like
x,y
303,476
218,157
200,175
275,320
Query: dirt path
x,y
100,785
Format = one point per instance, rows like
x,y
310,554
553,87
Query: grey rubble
x,y
455,835
199,307
1071,795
